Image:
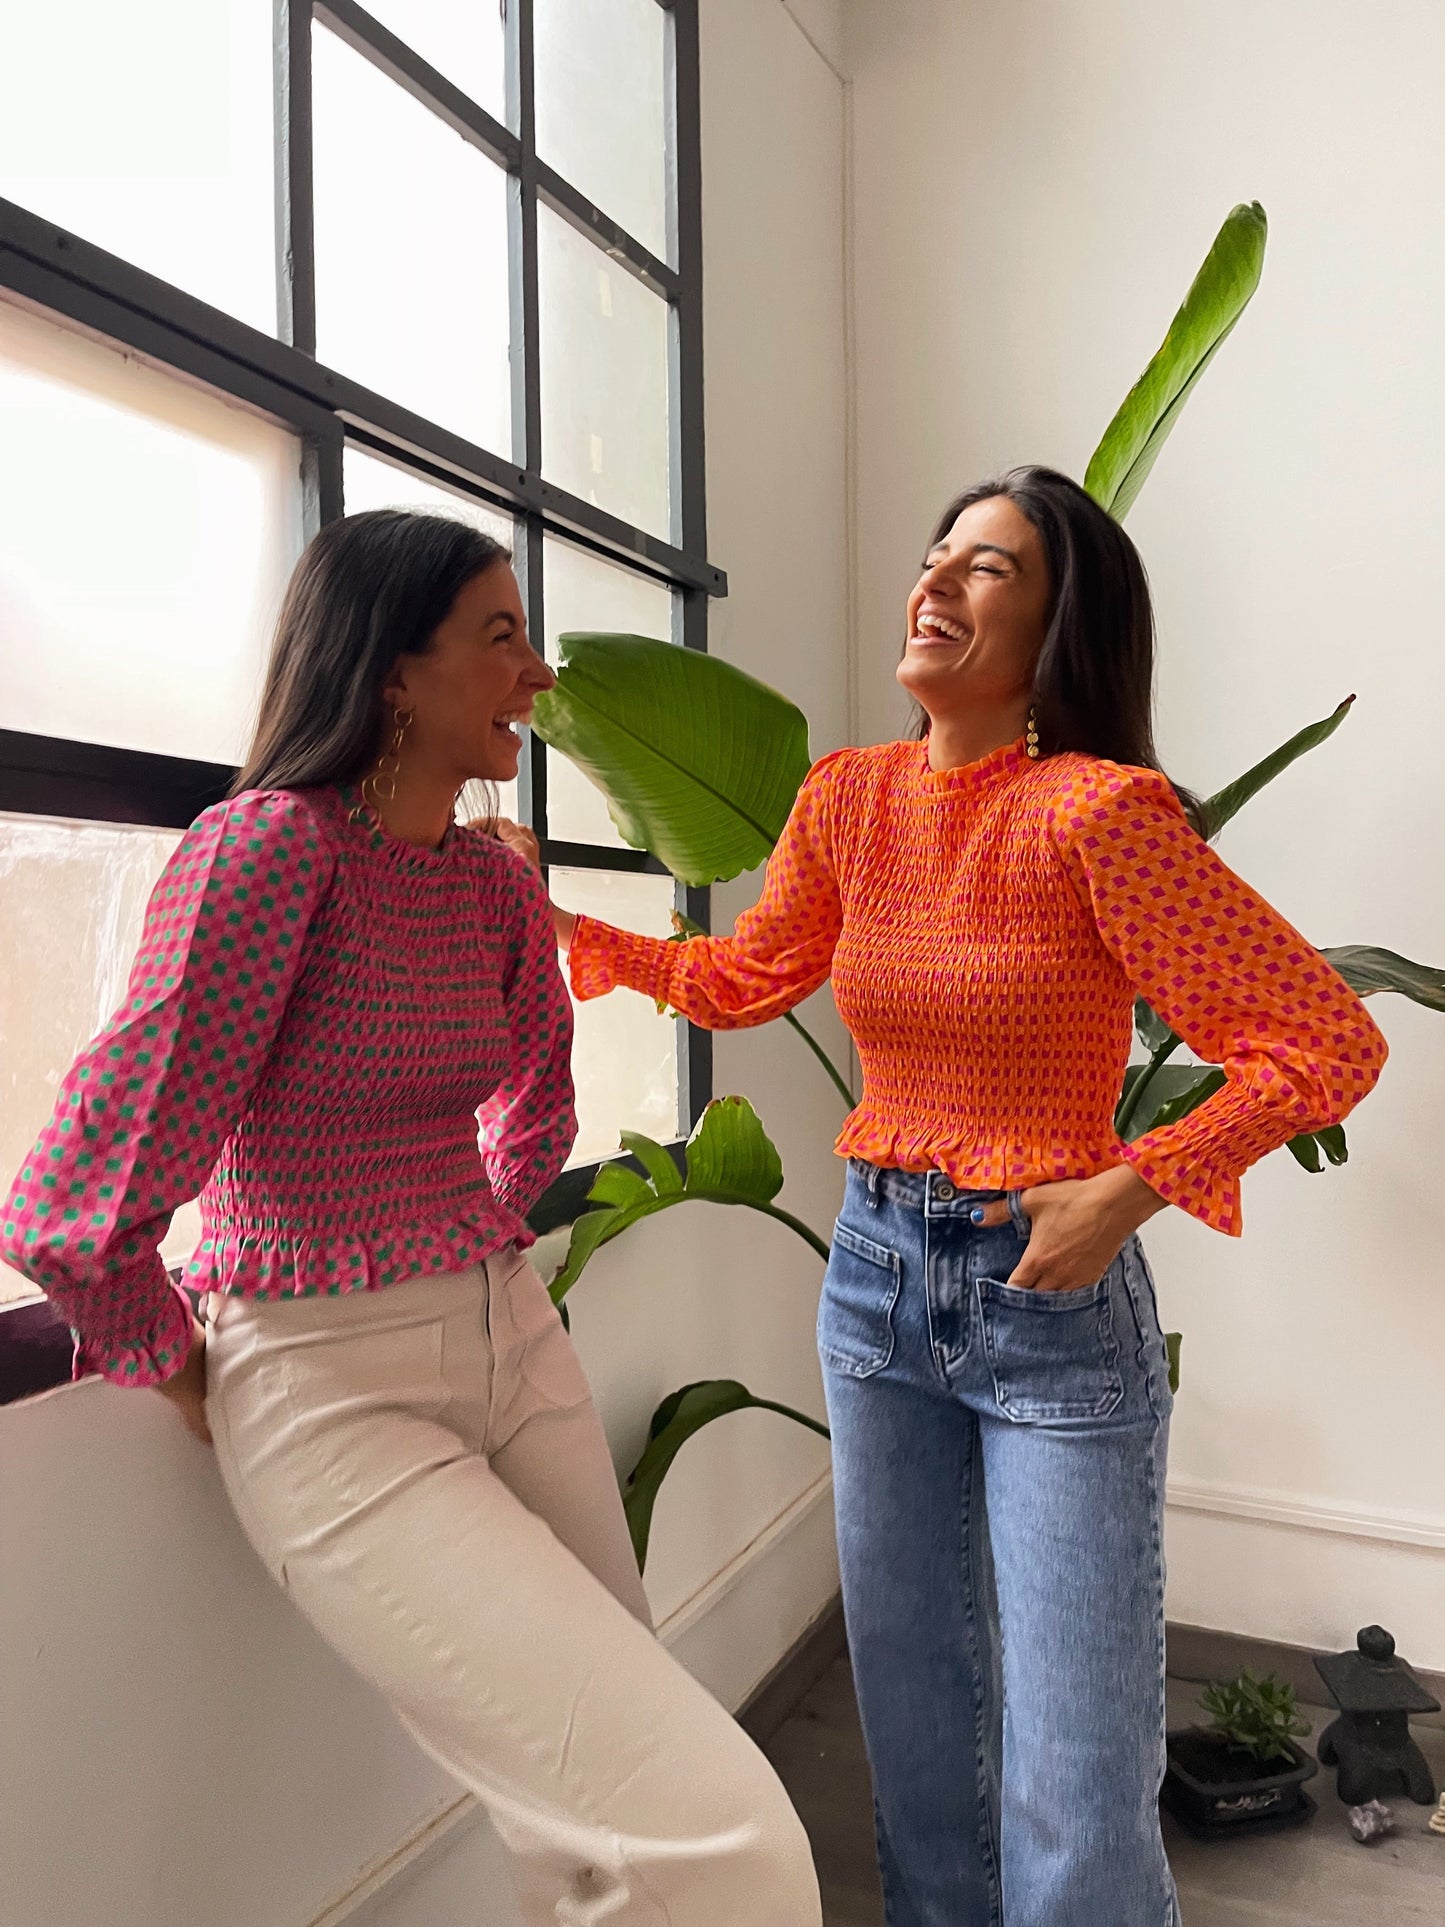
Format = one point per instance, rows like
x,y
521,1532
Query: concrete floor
x,y
1314,1877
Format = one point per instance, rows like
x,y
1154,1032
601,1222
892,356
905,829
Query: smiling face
x,y
474,685
978,616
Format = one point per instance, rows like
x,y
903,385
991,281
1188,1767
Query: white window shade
x,y
463,39
72,902
602,106
146,126
604,379
411,251
624,1061
147,529
370,482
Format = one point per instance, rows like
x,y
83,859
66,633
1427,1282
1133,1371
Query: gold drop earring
x,y
380,786
1032,735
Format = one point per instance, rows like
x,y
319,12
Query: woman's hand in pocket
x,y
1080,1225
186,1389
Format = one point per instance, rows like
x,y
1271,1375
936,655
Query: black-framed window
x,y
483,250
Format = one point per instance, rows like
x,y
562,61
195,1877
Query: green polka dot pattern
x,y
357,1051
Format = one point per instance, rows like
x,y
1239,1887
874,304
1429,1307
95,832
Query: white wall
x,y
178,1748
1035,183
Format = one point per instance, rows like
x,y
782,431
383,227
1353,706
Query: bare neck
x,y
956,741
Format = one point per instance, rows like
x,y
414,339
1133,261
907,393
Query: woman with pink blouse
x,y
337,988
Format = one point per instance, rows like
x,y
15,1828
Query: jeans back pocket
x,y
855,1313
1052,1354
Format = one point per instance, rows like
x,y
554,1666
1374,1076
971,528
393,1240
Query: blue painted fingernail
x,y
977,1214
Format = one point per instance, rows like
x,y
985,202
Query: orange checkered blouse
x,y
986,930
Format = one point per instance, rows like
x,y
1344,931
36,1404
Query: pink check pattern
x,y
356,1051
987,930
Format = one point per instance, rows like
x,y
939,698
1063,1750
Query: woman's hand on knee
x,y
1080,1225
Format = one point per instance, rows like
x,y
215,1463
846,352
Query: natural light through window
x,y
104,131
149,530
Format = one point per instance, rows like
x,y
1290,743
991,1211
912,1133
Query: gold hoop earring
x,y
1032,735
380,786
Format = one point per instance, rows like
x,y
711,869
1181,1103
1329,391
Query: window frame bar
x,y
56,273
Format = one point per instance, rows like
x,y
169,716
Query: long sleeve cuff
x,y
1197,1162
600,959
151,1359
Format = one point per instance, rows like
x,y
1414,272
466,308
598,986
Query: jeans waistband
x,y
930,1192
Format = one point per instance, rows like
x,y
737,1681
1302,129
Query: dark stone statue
x,y
1370,1742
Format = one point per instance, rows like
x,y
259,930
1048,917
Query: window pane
x,y
411,251
584,592
72,898
148,530
601,111
463,39
604,379
369,482
147,128
625,1057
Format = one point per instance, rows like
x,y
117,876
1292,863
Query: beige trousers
x,y
422,1470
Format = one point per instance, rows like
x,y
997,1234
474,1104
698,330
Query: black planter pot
x,y
1219,1792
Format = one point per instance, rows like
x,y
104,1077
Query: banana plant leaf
x,y
678,1419
730,1160
1368,970
1219,296
699,762
1228,802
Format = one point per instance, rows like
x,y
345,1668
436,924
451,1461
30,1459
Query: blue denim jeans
x,y
999,1466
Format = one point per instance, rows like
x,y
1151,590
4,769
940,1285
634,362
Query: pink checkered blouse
x,y
357,1051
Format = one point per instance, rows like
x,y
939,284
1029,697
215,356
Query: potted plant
x,y
1243,1773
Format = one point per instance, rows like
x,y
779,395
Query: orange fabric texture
x,y
987,930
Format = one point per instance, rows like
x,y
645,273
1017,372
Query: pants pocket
x,y
1052,1354
855,1314
529,1338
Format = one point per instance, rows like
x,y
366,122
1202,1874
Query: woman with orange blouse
x,y
989,900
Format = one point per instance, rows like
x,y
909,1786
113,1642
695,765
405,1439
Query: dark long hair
x,y
1094,681
368,589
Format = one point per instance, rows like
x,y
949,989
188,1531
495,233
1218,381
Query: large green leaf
x,y
730,1151
1219,296
1368,970
678,1419
730,1160
1232,798
657,1162
699,763
1148,1086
